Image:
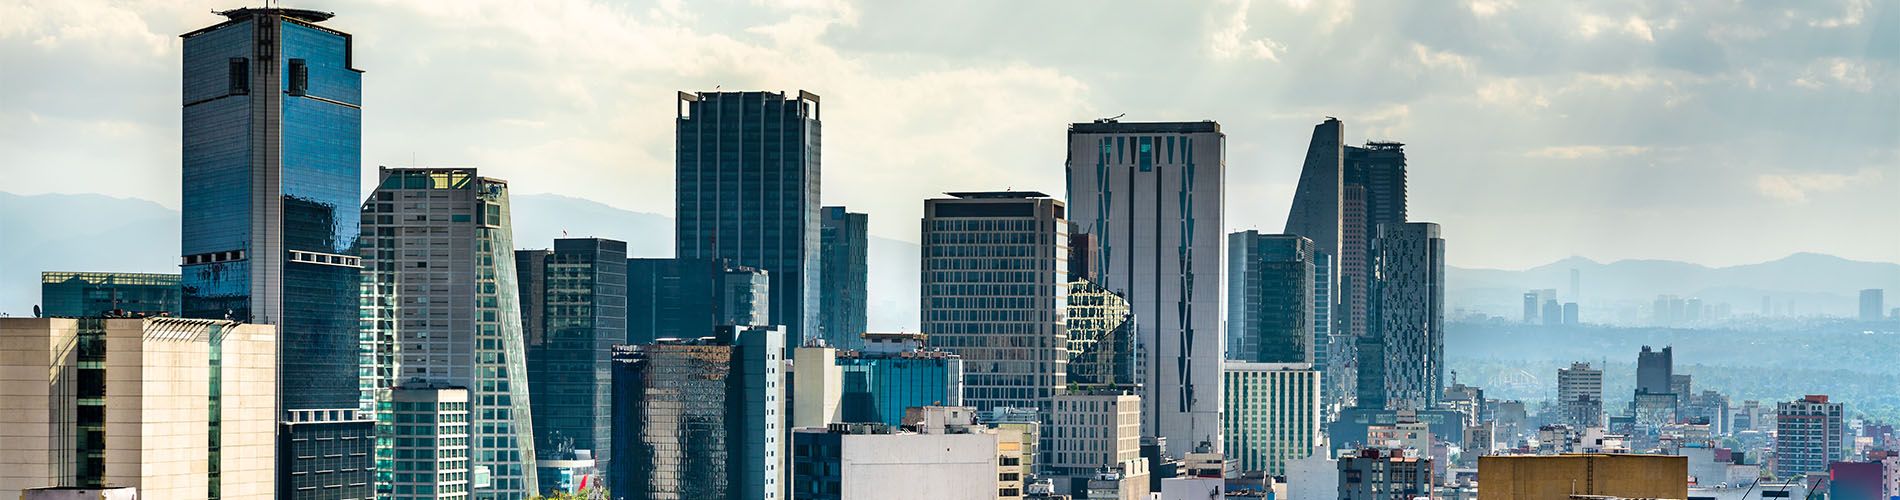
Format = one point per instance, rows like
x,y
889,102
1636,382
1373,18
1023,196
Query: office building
x,y
1571,314
685,298
1533,310
430,438
82,295
1151,194
746,180
1272,414
894,372
1565,477
1381,474
1872,303
1401,362
1317,212
880,461
1553,313
442,302
176,408
1655,370
272,185
701,418
1270,312
1580,395
843,270
994,292
1810,433
1093,448
1102,336
573,311
1333,353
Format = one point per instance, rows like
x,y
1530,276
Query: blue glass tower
x,y
272,161
572,315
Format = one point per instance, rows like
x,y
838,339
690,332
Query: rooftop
x,y
1117,127
305,15
973,195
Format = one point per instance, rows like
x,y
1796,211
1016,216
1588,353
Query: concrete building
x,y
1152,194
573,311
442,306
1563,477
1810,433
746,179
176,408
685,298
1872,303
847,461
1402,358
1315,476
430,442
1089,432
1580,395
995,293
844,271
76,295
1381,474
701,418
1270,314
1272,414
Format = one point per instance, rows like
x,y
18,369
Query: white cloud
x,y
1851,16
1229,38
1590,25
1836,72
1585,151
1796,188
1487,8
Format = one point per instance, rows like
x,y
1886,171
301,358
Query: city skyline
x,y
1788,136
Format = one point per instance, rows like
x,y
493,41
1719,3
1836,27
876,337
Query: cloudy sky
x,y
1719,132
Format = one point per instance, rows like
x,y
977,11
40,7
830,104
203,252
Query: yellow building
x,y
1558,477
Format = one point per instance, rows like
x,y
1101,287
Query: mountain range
x,y
87,232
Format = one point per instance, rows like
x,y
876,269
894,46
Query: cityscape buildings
x,y
1151,196
271,162
685,298
994,293
747,177
77,295
573,310
1270,313
701,418
1810,433
441,302
1272,414
1580,395
844,270
1401,361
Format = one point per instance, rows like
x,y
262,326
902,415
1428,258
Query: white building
x,y
945,456
1272,414
1316,476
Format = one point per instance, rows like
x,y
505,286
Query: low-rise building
x,y
1562,477
1384,474
943,452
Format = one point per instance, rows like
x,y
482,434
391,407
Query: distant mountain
x,y
85,232
1817,283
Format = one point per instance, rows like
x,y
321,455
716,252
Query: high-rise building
x,y
994,292
441,299
1570,314
1655,370
1318,207
1872,304
892,373
573,309
1381,474
1401,362
701,418
1272,414
431,442
843,269
746,181
272,155
1809,434
1580,395
1270,313
684,298
1102,335
1332,352
1533,311
1553,314
77,295
1151,194
177,408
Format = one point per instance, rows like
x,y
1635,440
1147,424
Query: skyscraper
x,y
1270,313
581,302
1655,370
995,292
684,298
442,298
272,153
1872,304
747,190
844,271
700,418
1809,433
1402,361
1580,395
75,295
1150,194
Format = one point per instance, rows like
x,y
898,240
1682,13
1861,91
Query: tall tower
x,y
572,316
272,147
842,317
1150,195
1269,298
442,298
995,292
746,180
1407,341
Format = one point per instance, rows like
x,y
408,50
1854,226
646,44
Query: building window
x,y
240,74
299,77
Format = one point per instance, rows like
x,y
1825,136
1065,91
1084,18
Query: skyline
x,y
1797,141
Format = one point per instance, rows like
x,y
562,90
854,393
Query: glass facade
x,y
747,175
430,433
686,298
77,295
1272,414
442,299
1101,338
1409,309
581,295
844,263
1270,312
877,388
700,418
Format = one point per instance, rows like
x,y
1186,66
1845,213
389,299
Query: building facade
x,y
1380,474
441,302
1810,433
847,461
78,295
844,271
1272,415
177,408
1102,336
1151,194
995,293
1872,304
1402,362
685,298
701,418
431,442
1565,477
746,178
574,309
1270,314
1580,395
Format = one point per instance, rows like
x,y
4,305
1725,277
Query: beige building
x,y
1091,434
135,402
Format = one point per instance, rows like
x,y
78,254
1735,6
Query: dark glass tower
x,y
272,156
1402,362
75,295
1270,312
843,240
572,315
747,190
685,298
701,418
